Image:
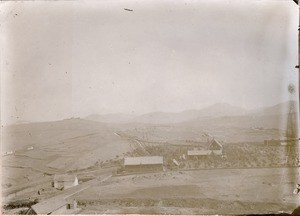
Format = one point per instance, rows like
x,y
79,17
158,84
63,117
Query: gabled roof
x,y
64,177
215,142
149,160
198,152
50,205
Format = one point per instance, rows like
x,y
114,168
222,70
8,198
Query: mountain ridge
x,y
215,110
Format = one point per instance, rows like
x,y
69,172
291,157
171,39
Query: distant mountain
x,y
216,110
278,109
213,111
111,118
220,109
246,121
268,117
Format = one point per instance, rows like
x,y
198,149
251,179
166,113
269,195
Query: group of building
x,y
61,204
156,163
65,204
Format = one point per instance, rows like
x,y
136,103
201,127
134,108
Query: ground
x,y
223,191
252,178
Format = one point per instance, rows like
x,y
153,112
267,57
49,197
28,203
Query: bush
x,y
20,204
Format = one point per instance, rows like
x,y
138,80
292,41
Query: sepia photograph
x,y
150,107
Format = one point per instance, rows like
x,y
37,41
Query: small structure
x,y
196,154
54,205
8,153
64,181
30,148
147,163
71,204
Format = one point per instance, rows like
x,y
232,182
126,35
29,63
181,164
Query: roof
x,y
149,160
214,141
198,152
64,177
50,205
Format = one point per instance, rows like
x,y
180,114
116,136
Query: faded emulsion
x,y
152,107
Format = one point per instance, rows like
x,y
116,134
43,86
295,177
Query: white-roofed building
x,y
65,181
146,163
55,205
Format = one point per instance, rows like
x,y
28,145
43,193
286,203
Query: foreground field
x,y
223,191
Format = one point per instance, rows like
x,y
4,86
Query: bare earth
x,y
224,191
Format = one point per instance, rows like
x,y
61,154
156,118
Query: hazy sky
x,y
64,59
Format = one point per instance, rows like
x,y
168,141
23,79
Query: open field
x,y
185,133
222,191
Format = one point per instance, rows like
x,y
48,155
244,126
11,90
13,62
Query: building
x,y
272,142
30,148
71,204
64,181
8,153
217,152
196,154
277,142
216,147
140,164
55,205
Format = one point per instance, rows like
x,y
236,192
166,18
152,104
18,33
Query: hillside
x,y
58,147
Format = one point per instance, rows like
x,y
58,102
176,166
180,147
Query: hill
x,y
58,147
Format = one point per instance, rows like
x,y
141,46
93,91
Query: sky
x,y
62,59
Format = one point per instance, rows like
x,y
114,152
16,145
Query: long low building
x,y
146,163
55,205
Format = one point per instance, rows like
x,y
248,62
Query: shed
x,y
71,204
64,181
146,163
30,148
